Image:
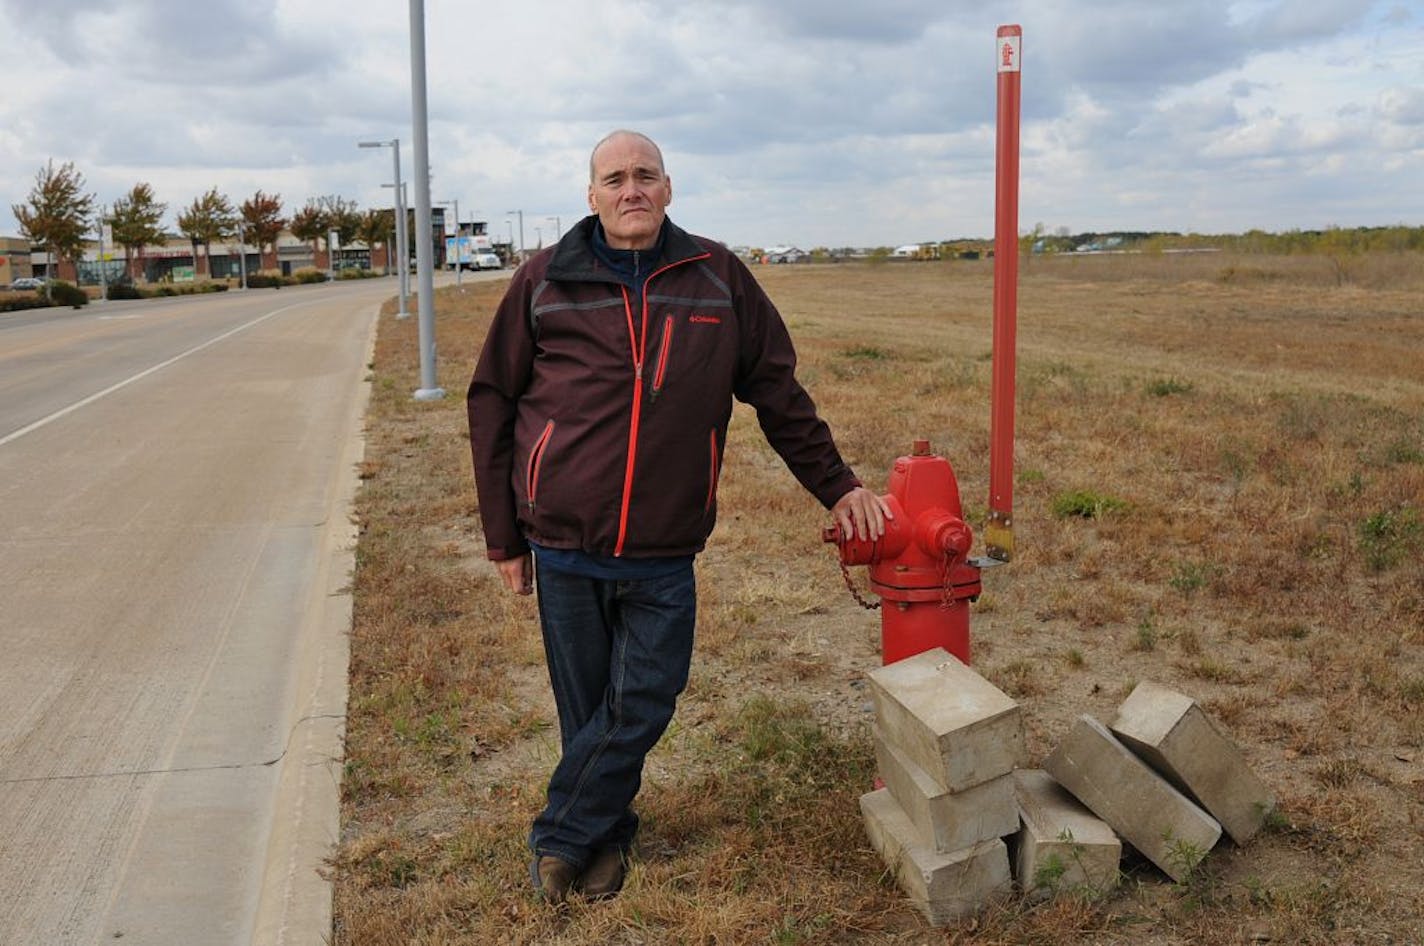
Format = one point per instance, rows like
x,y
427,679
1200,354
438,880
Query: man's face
x,y
629,192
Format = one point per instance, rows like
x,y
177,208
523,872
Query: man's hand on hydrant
x,y
861,514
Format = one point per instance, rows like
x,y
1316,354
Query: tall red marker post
x,y
921,567
999,530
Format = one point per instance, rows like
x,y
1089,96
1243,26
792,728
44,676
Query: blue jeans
x,y
618,654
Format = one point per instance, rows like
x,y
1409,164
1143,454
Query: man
x,y
598,416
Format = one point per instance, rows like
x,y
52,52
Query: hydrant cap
x,y
920,448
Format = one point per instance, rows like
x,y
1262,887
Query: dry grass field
x,y
1220,487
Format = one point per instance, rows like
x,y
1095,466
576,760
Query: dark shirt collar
x,y
631,267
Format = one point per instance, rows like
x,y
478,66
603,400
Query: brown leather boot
x,y
604,876
554,877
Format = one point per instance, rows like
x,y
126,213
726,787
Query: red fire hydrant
x,y
920,567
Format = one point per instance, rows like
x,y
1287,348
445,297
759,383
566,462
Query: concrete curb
x,y
295,903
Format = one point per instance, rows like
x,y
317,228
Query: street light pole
x,y
558,227
521,232
428,390
103,276
242,251
403,270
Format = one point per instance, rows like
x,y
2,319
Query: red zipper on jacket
x,y
536,459
712,481
638,342
661,373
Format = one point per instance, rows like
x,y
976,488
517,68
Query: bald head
x,y
629,189
620,134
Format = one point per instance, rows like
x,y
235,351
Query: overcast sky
x,y
809,122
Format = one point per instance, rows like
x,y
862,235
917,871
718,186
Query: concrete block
x,y
955,725
1062,846
1178,739
1141,806
945,887
951,820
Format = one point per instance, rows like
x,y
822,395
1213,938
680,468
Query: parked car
x,y
27,282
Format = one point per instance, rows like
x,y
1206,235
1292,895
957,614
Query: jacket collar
x,y
575,261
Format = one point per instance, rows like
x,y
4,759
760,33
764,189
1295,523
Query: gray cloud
x,y
794,121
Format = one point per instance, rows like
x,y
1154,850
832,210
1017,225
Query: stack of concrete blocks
x,y
947,742
1165,783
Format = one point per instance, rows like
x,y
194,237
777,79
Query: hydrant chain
x,y
850,585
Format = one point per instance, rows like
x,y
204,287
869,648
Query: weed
x,y
1188,577
1075,658
1387,537
867,353
1411,691
1184,856
1048,874
1086,504
1404,451
1020,679
1166,387
1146,639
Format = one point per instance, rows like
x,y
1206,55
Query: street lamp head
x,y
377,144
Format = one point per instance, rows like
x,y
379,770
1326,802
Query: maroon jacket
x,y
599,425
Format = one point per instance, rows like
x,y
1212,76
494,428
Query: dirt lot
x,y
1220,487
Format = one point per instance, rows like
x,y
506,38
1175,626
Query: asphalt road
x,y
174,544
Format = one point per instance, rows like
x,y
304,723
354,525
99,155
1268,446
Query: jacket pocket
x,y
660,375
536,462
712,471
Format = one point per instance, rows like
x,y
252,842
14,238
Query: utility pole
x,y
428,390
103,274
521,232
403,267
242,251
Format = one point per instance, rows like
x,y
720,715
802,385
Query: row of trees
x,y
59,216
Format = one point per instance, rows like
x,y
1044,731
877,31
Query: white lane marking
x,y
85,402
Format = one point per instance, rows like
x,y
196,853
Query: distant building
x,y
14,260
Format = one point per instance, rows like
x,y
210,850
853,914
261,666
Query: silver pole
x,y
521,232
402,247
103,276
242,251
428,390
459,267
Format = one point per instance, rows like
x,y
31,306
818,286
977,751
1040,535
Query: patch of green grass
x,y
1404,451
1166,387
867,353
1188,577
1146,640
1086,504
1388,537
1412,691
